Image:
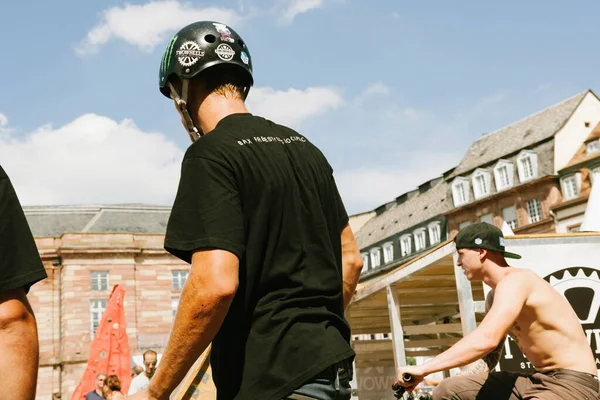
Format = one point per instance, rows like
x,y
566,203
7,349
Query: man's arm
x,y
486,364
510,295
490,360
204,303
351,264
18,346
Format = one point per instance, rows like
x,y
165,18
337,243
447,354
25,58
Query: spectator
x,y
135,371
112,388
97,393
142,381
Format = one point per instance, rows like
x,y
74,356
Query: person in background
x,y
112,388
142,381
97,393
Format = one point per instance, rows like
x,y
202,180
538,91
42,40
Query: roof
x,y
422,206
125,218
521,134
581,155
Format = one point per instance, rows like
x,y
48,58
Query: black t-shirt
x,y
265,193
20,262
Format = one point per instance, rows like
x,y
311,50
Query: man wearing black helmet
x,y
259,217
535,315
20,268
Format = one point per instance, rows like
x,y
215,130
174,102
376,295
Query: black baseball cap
x,y
482,236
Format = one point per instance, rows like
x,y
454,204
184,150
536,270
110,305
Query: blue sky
x,y
393,92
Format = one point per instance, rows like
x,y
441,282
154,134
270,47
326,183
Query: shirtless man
x,y
538,318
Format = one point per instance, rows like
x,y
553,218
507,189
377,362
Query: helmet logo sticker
x,y
189,53
245,58
225,52
225,32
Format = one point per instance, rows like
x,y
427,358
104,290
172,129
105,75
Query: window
x,y
99,280
464,224
460,191
593,146
419,239
489,218
174,305
405,245
595,175
570,186
365,258
509,215
534,209
375,258
503,173
481,183
434,232
388,252
179,278
97,307
527,165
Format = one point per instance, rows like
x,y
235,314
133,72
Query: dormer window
x,y
503,174
405,245
388,252
365,258
419,239
375,257
571,185
460,191
527,165
481,183
434,232
593,146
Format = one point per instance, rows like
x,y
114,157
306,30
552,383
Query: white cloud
x,y
3,121
376,88
296,7
147,25
365,189
93,159
293,106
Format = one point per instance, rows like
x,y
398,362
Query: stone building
x,y
404,228
511,175
86,250
576,180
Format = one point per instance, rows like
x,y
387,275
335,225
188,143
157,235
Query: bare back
x,y
548,331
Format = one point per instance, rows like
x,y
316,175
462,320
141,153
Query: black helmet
x,y
202,45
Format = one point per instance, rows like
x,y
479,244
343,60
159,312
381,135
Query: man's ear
x,y
483,253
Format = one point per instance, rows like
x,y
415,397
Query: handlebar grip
x,y
401,389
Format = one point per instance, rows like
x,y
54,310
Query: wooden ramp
x,y
198,383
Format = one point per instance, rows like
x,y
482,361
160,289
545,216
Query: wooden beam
x,y
396,325
197,384
436,328
465,299
369,346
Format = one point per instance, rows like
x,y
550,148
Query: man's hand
x,y
141,395
415,372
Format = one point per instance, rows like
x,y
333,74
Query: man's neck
x,y
493,273
216,107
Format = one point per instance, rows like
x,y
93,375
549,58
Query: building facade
x,y
105,246
404,228
511,175
576,181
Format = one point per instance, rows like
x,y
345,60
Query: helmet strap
x,y
181,102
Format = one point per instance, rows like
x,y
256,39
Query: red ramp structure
x,y
109,352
